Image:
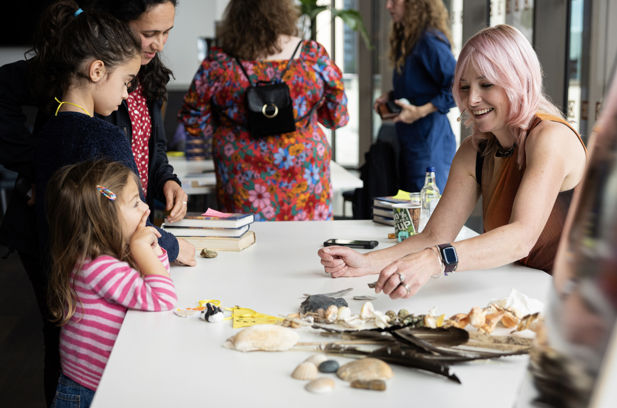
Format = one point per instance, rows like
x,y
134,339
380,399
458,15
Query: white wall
x,y
11,54
194,19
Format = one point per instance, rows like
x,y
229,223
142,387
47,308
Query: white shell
x,y
184,312
320,385
265,337
316,359
367,311
331,313
305,371
381,320
344,313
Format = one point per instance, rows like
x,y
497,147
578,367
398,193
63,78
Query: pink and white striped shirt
x,y
106,288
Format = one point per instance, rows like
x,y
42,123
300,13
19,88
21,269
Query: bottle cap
x,y
430,169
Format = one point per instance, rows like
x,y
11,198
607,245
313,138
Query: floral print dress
x,y
280,177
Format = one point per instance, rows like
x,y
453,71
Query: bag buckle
x,y
265,113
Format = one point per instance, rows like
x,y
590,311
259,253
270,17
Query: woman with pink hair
x,y
523,159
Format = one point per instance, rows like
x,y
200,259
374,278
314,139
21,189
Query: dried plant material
x,y
527,321
320,385
509,320
459,320
491,321
477,317
375,385
265,337
365,369
305,371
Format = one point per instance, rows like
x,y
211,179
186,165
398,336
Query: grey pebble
x,y
328,366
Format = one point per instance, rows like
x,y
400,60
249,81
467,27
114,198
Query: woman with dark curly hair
x,y
423,73
281,176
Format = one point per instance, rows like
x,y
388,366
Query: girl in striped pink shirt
x,y
105,261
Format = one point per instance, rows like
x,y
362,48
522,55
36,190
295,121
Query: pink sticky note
x,y
213,213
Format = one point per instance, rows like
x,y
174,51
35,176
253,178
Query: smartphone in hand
x,y
351,243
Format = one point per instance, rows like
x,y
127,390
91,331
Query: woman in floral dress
x,y
278,177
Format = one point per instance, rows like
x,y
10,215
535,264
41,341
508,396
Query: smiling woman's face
x,y
153,28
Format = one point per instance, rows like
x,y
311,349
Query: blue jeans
x,y
69,394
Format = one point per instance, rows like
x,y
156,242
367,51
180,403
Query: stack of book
x,y
382,209
222,233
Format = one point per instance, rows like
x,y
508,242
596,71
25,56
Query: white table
x,y
161,360
203,179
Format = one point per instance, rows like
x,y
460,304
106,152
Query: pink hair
x,y
504,57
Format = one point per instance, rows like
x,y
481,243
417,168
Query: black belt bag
x,y
269,107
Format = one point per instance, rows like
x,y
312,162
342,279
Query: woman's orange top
x,y
499,191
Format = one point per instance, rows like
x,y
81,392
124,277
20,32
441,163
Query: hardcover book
x,y
223,243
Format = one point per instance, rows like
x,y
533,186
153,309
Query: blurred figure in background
x,y
278,177
420,51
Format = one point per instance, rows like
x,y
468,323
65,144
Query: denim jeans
x,y
69,394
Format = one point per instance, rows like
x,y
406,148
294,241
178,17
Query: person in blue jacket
x,y
422,87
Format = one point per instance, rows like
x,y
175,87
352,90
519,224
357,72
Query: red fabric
x,y
142,126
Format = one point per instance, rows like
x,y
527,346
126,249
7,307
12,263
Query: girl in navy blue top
x,y
423,75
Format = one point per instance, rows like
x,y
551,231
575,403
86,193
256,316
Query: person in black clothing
x,y
19,87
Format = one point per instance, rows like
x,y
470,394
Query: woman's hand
x,y
175,201
186,253
411,113
342,261
381,100
404,277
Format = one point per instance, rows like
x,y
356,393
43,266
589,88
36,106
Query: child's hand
x,y
145,237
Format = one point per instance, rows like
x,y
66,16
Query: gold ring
x,y
184,202
269,116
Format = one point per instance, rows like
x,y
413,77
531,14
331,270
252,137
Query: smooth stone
x,y
365,369
375,385
320,385
329,366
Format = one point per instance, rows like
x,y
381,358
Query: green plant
x,y
310,9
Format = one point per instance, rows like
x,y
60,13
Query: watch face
x,y
449,255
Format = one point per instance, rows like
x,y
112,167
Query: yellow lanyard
x,y
60,103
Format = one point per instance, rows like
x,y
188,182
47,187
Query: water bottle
x,y
429,195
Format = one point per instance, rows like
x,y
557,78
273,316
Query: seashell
x,y
208,253
364,297
365,369
381,320
367,311
266,337
305,371
402,314
391,315
328,366
316,359
320,385
184,312
375,385
344,313
331,313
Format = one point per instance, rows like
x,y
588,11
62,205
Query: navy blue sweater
x,y
73,137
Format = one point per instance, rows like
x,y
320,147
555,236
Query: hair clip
x,y
78,12
106,192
